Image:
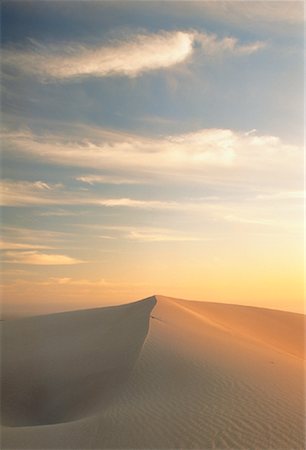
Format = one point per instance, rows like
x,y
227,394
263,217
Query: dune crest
x,y
205,375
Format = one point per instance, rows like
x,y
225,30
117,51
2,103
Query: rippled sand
x,y
160,374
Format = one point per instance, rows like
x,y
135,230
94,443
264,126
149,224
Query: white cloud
x,y
138,54
134,203
132,57
212,146
37,258
239,169
147,236
204,155
106,179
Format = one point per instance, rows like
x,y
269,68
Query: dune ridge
x,y
160,373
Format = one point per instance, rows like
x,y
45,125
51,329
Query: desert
x,y
159,373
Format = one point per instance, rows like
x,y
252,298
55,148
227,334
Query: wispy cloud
x,y
81,282
248,220
32,236
6,245
284,195
38,258
119,151
206,154
149,234
60,213
131,57
20,193
24,193
262,14
158,236
107,179
67,282
28,193
212,45
135,203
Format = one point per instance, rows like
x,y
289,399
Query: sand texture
x,y
160,373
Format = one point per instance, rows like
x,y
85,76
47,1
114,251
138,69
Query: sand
x,y
160,373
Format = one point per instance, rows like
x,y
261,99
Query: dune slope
x,y
60,367
208,376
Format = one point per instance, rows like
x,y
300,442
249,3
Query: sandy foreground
x,y
160,373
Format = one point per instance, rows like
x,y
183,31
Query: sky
x,y
151,148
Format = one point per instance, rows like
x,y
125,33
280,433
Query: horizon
x,y
50,309
152,147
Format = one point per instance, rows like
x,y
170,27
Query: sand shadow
x,y
61,367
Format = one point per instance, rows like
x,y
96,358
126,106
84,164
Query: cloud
x,y
60,213
284,195
205,147
6,245
25,193
131,57
248,220
259,13
224,175
135,203
207,155
136,55
212,45
149,234
37,258
21,193
23,284
34,236
82,282
272,15
106,179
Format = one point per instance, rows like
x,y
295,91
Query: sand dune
x,y
205,376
